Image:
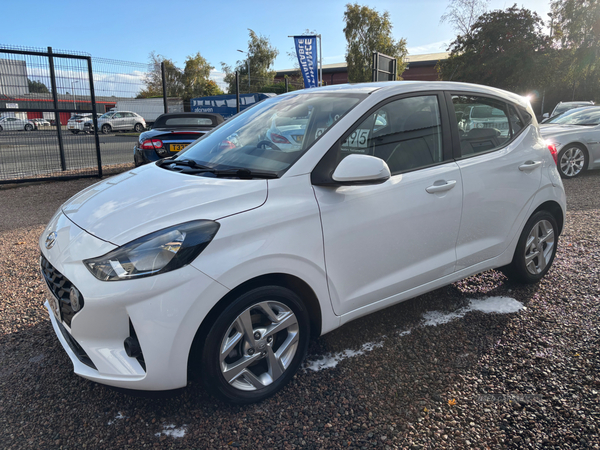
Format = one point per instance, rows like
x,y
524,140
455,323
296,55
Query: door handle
x,y
529,165
446,186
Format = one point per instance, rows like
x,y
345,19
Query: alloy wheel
x,y
572,161
259,346
539,247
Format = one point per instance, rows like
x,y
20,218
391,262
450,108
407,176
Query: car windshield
x,y
106,116
580,116
272,135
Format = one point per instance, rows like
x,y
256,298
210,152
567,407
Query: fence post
x,y
375,67
237,90
287,84
61,148
94,116
164,83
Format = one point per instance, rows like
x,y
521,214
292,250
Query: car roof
x,y
388,88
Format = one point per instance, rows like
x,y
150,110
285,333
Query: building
x,y
13,78
420,67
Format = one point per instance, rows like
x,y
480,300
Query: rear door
x,y
384,239
499,156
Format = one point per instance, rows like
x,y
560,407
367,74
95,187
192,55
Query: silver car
x,y
121,121
576,136
13,123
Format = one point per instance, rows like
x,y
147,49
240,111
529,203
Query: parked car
x,y
13,123
77,121
118,121
171,133
227,257
576,135
40,123
562,107
483,116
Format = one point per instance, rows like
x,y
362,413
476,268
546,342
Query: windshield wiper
x,y
243,173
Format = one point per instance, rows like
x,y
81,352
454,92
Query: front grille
x,y
60,287
498,125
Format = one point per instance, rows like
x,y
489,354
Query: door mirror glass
x,y
361,169
546,115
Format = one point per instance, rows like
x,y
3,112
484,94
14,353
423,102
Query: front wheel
x,y
138,128
535,250
105,129
572,160
255,345
28,127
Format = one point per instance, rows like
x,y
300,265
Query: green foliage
x,y
577,31
506,49
37,87
366,32
260,57
192,81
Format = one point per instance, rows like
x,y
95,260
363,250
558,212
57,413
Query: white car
x,y
230,256
13,123
76,122
119,121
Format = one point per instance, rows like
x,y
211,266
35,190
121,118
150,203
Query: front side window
x,y
483,123
272,135
405,133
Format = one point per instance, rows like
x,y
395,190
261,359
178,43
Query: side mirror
x,y
546,115
361,169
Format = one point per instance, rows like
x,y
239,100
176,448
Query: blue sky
x,y
129,30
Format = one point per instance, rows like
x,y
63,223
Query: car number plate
x,y
177,147
54,302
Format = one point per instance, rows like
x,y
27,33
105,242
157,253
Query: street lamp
x,y
248,63
72,94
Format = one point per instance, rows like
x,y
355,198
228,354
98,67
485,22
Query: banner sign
x,y
306,49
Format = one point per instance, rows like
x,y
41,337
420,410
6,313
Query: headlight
x,y
159,252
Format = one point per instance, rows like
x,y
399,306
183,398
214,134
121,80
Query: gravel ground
x,y
529,379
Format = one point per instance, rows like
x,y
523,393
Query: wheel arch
x,y
291,282
553,208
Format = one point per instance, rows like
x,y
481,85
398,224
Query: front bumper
x,y
164,310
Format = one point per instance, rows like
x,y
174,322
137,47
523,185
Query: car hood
x,y
141,201
551,129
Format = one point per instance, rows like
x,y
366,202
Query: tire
x,y
138,128
75,131
572,161
28,127
106,129
1,129
528,264
263,371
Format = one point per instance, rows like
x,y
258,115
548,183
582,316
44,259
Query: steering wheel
x,y
266,143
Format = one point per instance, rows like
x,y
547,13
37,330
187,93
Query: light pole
x,y
72,94
248,64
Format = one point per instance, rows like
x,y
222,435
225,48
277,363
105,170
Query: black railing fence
x,y
51,100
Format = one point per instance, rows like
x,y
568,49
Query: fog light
x,y
132,347
75,298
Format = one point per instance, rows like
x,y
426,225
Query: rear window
x,y
185,121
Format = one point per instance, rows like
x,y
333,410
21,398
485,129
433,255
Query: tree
x,y
577,30
260,57
366,32
37,87
153,80
195,78
462,14
506,49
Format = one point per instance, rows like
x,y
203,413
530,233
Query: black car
x,y
171,133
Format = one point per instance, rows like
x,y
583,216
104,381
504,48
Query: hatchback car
x,y
228,257
576,136
171,133
117,121
76,122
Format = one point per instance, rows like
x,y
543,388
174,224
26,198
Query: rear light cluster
x,y
154,144
554,152
279,139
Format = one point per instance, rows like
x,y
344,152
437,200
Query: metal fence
x,y
50,102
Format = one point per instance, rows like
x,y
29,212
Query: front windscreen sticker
x,y
357,141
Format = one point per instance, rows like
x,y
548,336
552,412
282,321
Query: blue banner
x,y
306,49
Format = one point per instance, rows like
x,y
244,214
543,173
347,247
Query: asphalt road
x,y
36,153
